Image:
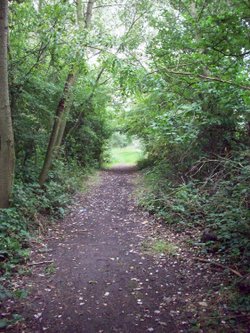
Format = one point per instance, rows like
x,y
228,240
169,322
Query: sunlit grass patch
x,y
128,155
160,246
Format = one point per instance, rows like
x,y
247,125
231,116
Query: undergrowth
x,y
212,196
218,202
32,208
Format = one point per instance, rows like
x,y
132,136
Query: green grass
x,y
129,155
160,246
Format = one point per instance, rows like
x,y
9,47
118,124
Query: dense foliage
x,y
193,117
44,44
174,74
63,58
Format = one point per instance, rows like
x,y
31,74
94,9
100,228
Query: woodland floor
x,y
99,273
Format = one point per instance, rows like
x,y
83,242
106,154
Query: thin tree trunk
x,y
79,11
56,128
63,107
89,11
40,5
7,155
79,118
63,122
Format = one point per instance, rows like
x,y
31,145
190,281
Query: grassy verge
x,y
217,205
129,156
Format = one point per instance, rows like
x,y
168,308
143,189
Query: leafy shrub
x,y
220,202
19,223
14,238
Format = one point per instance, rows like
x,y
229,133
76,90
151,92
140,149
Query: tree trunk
x,y
64,121
89,11
63,106
80,116
40,5
56,128
7,155
79,11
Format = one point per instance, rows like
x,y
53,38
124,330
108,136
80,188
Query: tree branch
x,y
218,265
209,78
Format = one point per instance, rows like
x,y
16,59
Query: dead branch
x,y
218,265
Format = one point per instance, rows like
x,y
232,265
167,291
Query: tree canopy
x,y
174,74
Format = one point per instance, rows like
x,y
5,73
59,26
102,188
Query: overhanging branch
x,y
209,78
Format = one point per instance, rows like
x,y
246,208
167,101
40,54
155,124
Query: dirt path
x,y
101,279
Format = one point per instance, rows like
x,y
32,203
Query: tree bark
x,y
40,5
56,129
64,121
79,11
63,107
89,11
7,154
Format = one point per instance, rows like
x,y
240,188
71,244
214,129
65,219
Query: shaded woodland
x,y
173,74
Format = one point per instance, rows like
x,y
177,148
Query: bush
x,y
219,202
19,223
14,238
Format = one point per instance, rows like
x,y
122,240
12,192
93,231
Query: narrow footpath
x,y
98,276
